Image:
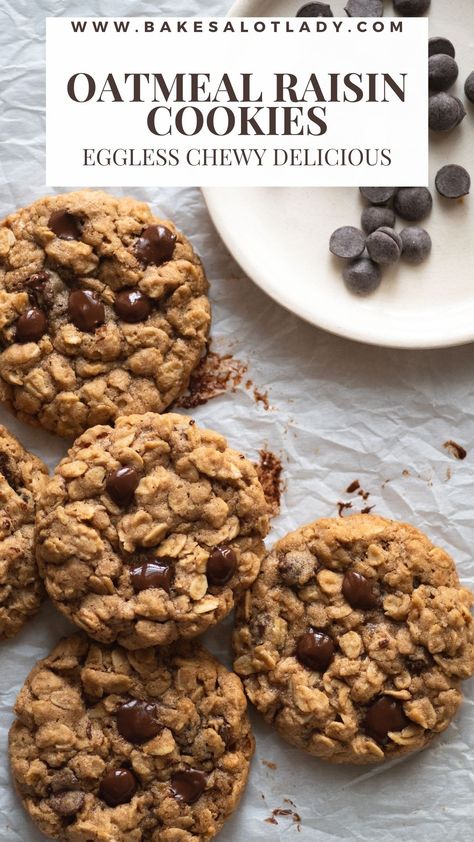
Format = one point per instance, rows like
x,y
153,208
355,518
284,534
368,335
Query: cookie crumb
x,y
215,375
456,450
285,812
354,486
342,507
269,470
261,397
269,764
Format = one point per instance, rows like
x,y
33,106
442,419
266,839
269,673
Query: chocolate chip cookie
x,y
103,311
147,530
149,746
354,639
22,477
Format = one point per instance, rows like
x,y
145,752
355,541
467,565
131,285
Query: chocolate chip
x,y
315,10
136,721
31,325
377,217
416,244
439,45
66,803
315,650
132,306
453,182
469,87
378,195
221,565
86,310
156,245
446,112
384,246
151,575
442,72
65,225
362,276
385,715
37,281
121,485
188,785
413,203
347,242
358,591
364,8
117,787
411,8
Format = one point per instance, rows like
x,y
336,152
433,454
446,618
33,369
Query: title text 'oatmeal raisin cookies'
x,y
145,746
354,639
103,311
147,530
22,476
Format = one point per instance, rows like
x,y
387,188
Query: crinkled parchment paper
x,y
338,412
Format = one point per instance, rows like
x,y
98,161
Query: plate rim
x,y
253,270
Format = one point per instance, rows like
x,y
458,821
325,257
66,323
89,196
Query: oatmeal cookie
x,y
145,746
22,476
147,530
103,311
354,639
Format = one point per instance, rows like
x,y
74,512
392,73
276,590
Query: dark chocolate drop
x,y
86,310
122,484
31,325
188,785
65,225
221,565
118,787
136,721
156,245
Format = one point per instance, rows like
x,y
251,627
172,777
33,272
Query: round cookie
x,y
354,639
103,311
147,530
149,746
22,477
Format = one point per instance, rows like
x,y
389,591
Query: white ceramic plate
x,y
280,235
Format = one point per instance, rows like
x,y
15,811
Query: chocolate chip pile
x,y
378,244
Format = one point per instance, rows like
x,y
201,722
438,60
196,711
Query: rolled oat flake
x,y
453,181
347,242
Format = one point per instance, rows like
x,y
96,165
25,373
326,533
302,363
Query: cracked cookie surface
x,y
354,639
145,746
103,311
22,476
147,530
